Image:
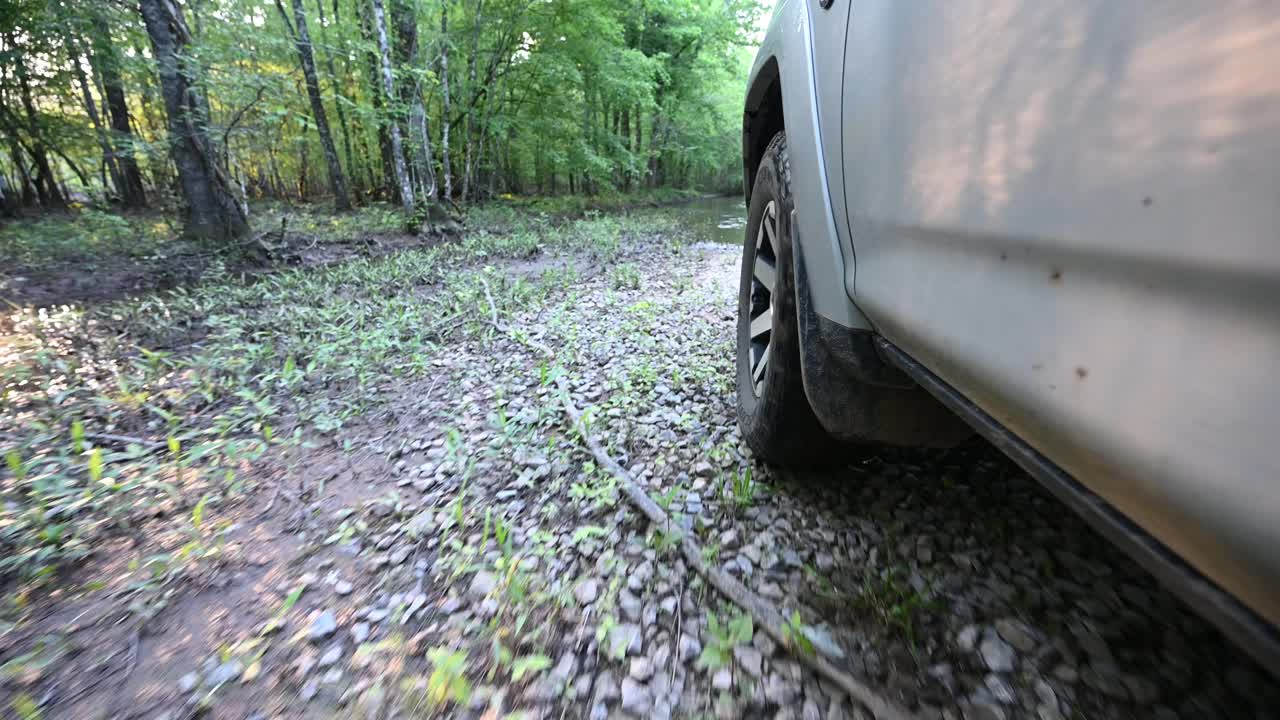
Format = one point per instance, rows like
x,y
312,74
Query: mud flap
x,y
856,395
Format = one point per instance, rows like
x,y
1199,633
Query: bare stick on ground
x,y
767,617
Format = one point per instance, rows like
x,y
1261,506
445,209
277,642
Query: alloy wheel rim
x,y
763,279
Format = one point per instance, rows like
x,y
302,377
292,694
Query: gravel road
x,y
464,558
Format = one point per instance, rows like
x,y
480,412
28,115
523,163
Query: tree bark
x,y
106,63
418,148
339,99
27,187
46,185
9,202
306,58
373,66
626,145
444,87
388,84
91,109
468,168
212,210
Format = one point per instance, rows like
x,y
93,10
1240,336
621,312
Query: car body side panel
x,y
1068,210
790,41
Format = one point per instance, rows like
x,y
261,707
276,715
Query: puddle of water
x,y
718,219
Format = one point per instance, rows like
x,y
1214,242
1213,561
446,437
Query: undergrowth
x,y
116,414
79,235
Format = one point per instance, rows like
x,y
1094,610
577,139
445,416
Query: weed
x,y
625,276
721,639
793,632
894,602
529,664
711,553
192,382
448,682
739,487
600,490
664,540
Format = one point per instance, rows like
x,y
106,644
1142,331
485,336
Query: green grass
x,y
91,235
79,235
210,376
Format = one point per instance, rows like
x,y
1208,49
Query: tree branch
x,y
767,617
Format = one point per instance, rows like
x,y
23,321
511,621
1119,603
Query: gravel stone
x,y
1000,689
587,591
331,656
749,659
324,625
636,698
641,669
606,689
997,654
779,691
627,638
822,641
967,640
983,710
689,648
629,604
1016,634
482,583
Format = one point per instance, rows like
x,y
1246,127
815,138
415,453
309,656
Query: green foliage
x,y
565,96
316,345
58,240
721,639
892,600
626,277
289,601
448,681
793,631
740,488
527,665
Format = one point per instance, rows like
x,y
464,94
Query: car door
x,y
1068,210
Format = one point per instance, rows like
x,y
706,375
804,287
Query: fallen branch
x,y
147,445
766,617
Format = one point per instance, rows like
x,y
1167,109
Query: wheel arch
x,y
762,118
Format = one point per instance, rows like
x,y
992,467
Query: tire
x,y
773,412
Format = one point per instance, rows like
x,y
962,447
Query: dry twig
x,y
766,617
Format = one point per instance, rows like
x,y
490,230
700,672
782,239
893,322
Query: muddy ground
x,y
454,552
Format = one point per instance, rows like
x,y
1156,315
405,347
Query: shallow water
x,y
718,219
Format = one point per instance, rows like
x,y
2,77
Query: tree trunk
x,y
418,148
388,84
626,145
45,183
468,168
444,87
9,202
28,191
302,39
91,109
373,66
339,100
107,76
212,210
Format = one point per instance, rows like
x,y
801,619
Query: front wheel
x,y
773,412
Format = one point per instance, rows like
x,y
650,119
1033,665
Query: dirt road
x,y
454,552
